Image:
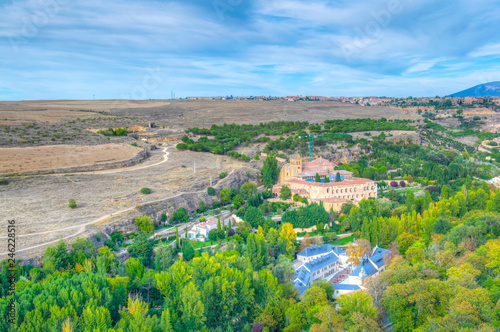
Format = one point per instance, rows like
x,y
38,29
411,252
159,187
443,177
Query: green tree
x,y
327,179
297,321
165,325
270,171
192,309
238,200
141,248
82,245
163,257
61,256
317,178
441,226
177,245
359,301
411,304
285,193
145,224
327,286
202,207
135,268
225,196
410,200
283,270
337,177
257,251
213,235
187,250
180,215
248,189
254,216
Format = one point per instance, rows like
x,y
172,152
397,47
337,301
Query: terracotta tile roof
x,y
351,181
313,169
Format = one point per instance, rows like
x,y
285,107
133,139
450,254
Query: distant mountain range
x,y
491,89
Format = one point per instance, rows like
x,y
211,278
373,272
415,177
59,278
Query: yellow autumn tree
x,y
287,238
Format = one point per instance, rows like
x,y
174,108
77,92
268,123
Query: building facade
x,y
299,176
200,231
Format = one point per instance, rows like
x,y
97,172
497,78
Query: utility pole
x,y
210,180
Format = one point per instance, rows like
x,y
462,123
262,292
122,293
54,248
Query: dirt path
x,y
128,169
82,226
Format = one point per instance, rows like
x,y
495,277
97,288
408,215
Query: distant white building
x,y
495,181
330,263
200,231
368,266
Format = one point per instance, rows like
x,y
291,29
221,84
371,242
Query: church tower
x,y
296,163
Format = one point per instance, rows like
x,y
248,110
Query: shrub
x,y
163,217
109,243
222,175
146,191
98,237
211,191
402,184
394,184
72,203
4,182
134,144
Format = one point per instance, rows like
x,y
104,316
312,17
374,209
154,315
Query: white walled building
x,y
329,262
201,230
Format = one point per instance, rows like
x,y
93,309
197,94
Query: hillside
x,y
491,89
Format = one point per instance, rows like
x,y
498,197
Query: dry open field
x,y
189,113
50,157
194,113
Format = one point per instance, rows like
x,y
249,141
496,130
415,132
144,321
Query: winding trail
x,y
132,168
81,227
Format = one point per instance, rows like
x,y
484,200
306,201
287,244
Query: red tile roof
x,y
351,181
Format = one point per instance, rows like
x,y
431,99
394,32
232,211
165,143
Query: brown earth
x,y
41,158
191,112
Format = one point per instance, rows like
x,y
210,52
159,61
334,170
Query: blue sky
x,y
142,49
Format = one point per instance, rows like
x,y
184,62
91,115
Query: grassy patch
x,y
343,241
164,227
205,244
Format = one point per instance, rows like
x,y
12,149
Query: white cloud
x,y
490,49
